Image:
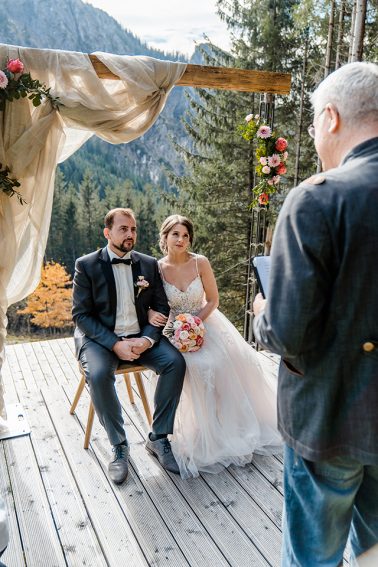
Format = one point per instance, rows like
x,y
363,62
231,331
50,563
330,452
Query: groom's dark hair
x,y
109,217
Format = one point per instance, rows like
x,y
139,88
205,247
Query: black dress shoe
x,y
161,449
119,468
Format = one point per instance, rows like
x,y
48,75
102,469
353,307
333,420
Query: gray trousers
x,y
99,365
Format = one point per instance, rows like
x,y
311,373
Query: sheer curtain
x,y
33,140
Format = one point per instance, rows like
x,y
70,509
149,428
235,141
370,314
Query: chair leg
x,y
79,391
88,429
129,388
142,392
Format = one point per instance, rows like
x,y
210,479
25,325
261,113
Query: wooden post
x,y
219,78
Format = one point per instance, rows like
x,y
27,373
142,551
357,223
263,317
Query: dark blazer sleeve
x,y
84,309
300,278
159,302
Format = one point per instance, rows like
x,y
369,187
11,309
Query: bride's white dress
x,y
227,409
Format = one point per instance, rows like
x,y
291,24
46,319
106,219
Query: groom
x,y
113,288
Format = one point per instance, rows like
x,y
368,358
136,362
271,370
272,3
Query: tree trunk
x,y
301,107
331,25
340,34
352,30
359,31
328,58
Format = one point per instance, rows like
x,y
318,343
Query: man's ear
x,y
106,233
334,118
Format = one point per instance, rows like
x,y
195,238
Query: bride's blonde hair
x,y
167,226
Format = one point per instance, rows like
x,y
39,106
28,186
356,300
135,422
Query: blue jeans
x,y
325,502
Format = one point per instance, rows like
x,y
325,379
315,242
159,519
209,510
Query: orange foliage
x,y
50,304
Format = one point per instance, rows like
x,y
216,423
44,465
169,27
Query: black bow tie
x,y
126,261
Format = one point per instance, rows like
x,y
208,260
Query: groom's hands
x,y
131,349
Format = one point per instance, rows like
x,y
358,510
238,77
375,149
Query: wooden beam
x,y
220,78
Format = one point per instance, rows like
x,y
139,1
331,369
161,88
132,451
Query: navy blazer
x,y
322,313
95,298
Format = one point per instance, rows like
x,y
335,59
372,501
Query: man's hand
x,y
258,304
139,345
124,349
157,319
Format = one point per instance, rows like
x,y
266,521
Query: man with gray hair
x,y
322,318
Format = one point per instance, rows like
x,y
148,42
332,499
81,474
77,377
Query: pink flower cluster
x,y
14,66
186,333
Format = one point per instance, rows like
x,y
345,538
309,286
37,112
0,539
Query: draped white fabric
x,y
33,140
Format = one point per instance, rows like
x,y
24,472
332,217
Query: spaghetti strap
x,y
197,264
160,268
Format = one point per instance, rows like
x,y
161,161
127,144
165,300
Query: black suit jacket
x,y
95,298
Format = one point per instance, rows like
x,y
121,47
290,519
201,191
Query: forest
x,y
211,170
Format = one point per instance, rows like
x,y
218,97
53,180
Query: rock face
x,y
76,26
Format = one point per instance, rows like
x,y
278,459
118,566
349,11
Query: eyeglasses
x,y
311,128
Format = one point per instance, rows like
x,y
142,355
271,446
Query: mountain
x,y
76,26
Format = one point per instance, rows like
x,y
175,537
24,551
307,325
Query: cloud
x,y
171,25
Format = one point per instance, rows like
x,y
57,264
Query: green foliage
x,y
8,184
79,210
22,86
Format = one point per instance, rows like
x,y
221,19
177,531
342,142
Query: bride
x,y
227,408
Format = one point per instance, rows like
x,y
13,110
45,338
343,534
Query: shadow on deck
x,y
63,510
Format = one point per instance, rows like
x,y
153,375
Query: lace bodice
x,y
189,301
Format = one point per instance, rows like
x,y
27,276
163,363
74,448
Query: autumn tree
x,y
49,306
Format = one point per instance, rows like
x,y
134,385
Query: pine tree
x,y
217,190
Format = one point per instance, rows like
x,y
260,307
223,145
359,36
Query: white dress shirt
x,y
126,317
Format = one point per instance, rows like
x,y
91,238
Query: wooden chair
x,y
126,369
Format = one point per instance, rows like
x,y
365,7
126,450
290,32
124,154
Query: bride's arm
x,y
210,286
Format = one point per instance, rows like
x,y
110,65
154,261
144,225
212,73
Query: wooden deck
x,y
63,509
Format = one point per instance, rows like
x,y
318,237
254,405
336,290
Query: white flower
x,y
3,80
184,335
249,117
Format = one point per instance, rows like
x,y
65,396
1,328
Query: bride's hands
x,y
156,319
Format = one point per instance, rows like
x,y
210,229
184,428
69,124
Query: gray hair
x,y
353,89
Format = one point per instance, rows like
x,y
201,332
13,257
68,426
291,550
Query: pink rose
x,y
249,117
274,160
263,199
285,156
185,327
266,169
15,66
3,80
281,144
263,161
270,182
276,179
281,169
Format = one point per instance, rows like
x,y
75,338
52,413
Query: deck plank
x,y
189,534
108,519
155,519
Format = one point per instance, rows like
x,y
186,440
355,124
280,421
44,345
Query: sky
x,y
169,25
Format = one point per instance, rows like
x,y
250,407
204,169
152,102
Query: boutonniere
x,y
141,284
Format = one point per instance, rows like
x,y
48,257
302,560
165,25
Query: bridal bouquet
x,y
186,332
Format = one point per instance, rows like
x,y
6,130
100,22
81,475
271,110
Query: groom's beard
x,y
125,246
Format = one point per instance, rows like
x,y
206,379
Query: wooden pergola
x,y
220,78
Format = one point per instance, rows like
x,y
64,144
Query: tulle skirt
x,y
227,409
